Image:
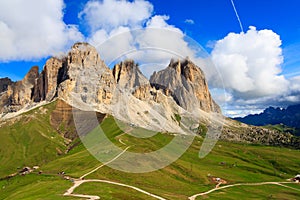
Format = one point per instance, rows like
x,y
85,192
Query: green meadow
x,y
31,140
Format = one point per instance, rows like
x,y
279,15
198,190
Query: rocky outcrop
x,y
87,76
49,79
62,120
186,83
81,71
128,75
4,83
258,135
18,94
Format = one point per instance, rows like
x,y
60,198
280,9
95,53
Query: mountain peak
x,y
128,75
31,75
83,55
185,68
187,84
4,83
289,117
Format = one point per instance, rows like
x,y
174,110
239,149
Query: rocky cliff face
x,y
87,77
128,75
4,83
19,93
186,83
46,85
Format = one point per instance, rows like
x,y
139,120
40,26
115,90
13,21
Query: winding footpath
x,y
243,184
78,182
115,158
81,180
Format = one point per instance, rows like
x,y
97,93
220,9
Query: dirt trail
x,y
91,197
121,142
115,158
78,182
242,184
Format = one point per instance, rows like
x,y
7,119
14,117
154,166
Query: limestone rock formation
x,y
46,85
186,83
128,75
4,83
87,76
18,94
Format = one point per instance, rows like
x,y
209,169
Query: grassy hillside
x,y
29,140
32,141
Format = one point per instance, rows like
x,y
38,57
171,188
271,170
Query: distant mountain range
x,y
273,116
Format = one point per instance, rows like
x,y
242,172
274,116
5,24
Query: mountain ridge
x,y
47,84
83,81
289,116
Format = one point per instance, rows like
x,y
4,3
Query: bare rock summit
x,y
186,83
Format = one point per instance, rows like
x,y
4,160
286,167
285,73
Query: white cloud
x,y
295,84
33,29
165,41
98,37
159,21
242,107
113,45
156,42
111,14
250,63
123,27
189,21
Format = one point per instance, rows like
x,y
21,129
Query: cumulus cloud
x,y
242,107
250,63
114,45
111,14
165,41
137,34
33,29
295,84
189,21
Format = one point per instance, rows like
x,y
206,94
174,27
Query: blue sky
x,y
206,21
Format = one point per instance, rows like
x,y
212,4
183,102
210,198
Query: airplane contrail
x,y
237,15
